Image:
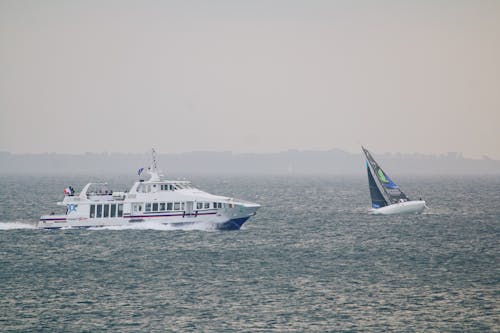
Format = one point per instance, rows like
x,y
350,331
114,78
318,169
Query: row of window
x,y
116,210
172,206
167,187
106,210
145,188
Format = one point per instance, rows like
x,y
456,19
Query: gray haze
x,y
250,76
292,162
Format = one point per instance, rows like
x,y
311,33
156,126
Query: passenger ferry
x,y
170,202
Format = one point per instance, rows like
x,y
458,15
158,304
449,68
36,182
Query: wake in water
x,y
16,225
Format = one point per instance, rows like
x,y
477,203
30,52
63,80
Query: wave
x,y
149,225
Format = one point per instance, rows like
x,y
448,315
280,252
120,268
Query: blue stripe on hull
x,y
234,224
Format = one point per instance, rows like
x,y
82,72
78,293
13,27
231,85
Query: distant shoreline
x,y
290,162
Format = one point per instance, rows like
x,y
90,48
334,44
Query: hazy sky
x,y
250,76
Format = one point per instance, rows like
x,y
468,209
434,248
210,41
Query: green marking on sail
x,y
381,176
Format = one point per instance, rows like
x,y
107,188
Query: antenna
x,y
153,169
154,165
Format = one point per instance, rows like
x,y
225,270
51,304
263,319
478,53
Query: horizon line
x,y
456,154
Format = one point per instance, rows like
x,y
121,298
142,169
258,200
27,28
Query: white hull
x,y
407,207
225,219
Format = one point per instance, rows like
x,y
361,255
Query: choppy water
x,y
312,260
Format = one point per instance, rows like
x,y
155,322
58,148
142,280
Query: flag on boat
x,y
140,171
67,191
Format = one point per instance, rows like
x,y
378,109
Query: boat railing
x,y
99,193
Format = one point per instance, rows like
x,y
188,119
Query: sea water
x,y
311,260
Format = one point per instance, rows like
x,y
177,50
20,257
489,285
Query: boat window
x,y
106,211
177,205
120,210
182,205
113,210
139,207
155,207
162,206
219,205
207,205
148,207
99,211
199,205
169,206
92,211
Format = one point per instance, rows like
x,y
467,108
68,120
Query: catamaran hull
x,y
232,224
407,207
229,221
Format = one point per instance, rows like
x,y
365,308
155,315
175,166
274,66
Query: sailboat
x,y
387,197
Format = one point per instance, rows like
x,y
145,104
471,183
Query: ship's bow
x,y
238,214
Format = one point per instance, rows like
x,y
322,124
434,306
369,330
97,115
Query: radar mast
x,y
153,169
